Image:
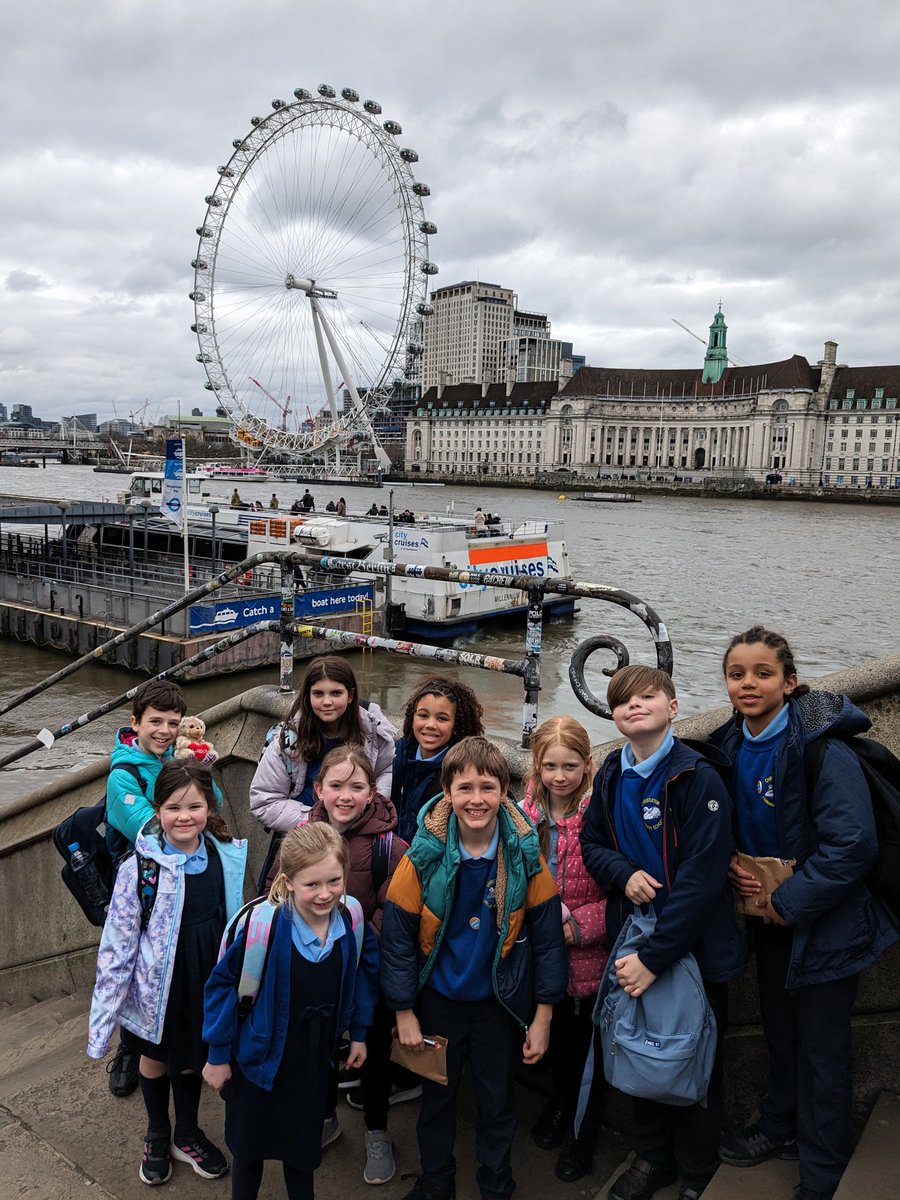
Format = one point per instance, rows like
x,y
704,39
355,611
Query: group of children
x,y
488,924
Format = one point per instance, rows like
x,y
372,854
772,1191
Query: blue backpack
x,y
660,1045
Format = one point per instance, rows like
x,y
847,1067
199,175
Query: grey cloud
x,y
25,281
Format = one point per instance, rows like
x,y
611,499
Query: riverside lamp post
x,y
213,510
129,513
146,504
64,506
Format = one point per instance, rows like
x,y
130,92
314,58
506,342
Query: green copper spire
x,y
716,353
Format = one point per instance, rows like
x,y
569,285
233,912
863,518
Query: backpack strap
x,y
353,909
255,921
147,886
381,858
813,758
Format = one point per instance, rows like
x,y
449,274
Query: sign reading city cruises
x,y
173,482
327,602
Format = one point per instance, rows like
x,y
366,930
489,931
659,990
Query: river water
x,y
823,574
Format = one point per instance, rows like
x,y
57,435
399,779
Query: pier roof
x,y
48,512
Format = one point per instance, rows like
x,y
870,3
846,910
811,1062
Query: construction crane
x,y
138,416
733,362
284,409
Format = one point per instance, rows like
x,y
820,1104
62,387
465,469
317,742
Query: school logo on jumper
x,y
766,791
651,813
490,894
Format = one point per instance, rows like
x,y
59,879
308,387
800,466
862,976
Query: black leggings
x,y
246,1176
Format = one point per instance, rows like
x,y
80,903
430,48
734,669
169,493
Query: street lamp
x,y
146,504
213,510
64,506
130,512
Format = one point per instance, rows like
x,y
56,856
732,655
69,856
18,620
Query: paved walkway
x,y
64,1136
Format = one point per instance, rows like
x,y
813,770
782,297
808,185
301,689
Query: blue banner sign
x,y
173,482
236,614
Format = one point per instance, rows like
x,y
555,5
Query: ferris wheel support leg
x,y
383,461
318,321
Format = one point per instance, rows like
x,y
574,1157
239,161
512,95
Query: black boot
x,y
549,1130
576,1159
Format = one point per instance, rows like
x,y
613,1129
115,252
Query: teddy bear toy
x,y
191,742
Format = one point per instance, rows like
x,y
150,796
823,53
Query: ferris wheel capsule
x,y
213,201
203,231
428,268
302,94
372,106
350,94
276,104
408,155
326,90
199,297
424,310
225,172
199,264
421,189
428,227
255,121
393,127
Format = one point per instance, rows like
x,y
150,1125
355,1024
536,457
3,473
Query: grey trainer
x,y
380,1165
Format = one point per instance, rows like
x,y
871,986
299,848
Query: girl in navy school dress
x,y
274,1064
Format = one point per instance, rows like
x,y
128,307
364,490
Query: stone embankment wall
x,y
48,949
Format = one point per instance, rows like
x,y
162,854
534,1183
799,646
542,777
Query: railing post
x,y
286,658
534,622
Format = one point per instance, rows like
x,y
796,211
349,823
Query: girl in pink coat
x,y
558,792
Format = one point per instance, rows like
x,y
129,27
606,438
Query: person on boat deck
x,y
373,511
296,507
383,512
479,520
342,507
307,501
331,506
257,506
236,499
273,503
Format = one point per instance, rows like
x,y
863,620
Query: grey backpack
x,y
661,1045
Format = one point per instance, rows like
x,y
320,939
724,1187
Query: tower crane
x,y
733,362
284,409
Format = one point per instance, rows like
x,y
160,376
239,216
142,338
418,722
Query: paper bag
x,y
430,1063
770,872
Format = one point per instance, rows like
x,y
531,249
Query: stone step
x,y
775,1179
874,1170
31,1038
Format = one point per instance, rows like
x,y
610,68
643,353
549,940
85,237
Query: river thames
x,y
823,574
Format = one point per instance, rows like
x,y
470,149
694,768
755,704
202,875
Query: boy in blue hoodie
x,y
142,749
658,831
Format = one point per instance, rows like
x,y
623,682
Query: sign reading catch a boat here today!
x,y
328,602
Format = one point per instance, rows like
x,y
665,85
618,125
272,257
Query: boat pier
x,y
106,573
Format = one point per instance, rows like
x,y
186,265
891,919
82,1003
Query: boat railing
x,y
527,668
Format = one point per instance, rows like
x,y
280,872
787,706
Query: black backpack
x,y
881,770
92,883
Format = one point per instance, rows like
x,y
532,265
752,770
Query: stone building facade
x,y
823,425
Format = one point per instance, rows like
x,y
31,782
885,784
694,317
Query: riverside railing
x,y
528,668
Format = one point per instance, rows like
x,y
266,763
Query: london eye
x,y
311,277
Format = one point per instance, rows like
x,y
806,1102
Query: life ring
x,y
246,578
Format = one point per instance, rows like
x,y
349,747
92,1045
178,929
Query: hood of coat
x,y
380,724
379,816
829,713
439,820
538,816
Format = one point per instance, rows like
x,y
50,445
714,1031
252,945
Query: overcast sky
x,y
615,164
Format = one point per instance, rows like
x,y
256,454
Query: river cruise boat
x,y
433,609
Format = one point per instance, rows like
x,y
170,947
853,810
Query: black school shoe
x,y
575,1160
123,1072
749,1146
549,1130
420,1190
641,1181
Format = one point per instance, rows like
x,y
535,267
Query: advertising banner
x,y
173,482
236,614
